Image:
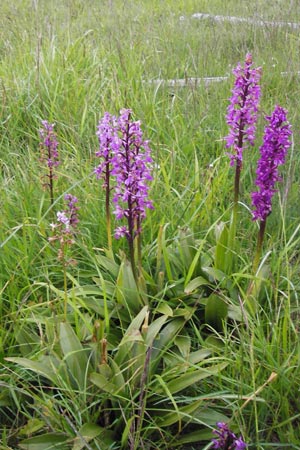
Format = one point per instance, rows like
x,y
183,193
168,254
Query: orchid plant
x,y
273,151
64,231
49,155
126,161
242,113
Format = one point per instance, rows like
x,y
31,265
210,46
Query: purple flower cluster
x,y
65,227
67,220
72,209
226,439
109,144
243,108
49,145
273,151
122,148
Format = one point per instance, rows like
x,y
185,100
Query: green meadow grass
x,y
70,61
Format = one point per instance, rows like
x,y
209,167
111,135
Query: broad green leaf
x,y
168,334
137,363
131,357
101,382
47,441
175,360
255,288
154,329
209,416
42,368
192,376
31,427
194,436
90,431
131,337
221,231
215,274
194,284
107,386
235,313
186,246
183,343
126,353
108,264
199,355
186,312
215,311
5,396
75,355
97,305
137,322
219,277
164,308
132,333
214,343
164,340
87,290
27,340
105,370
167,419
127,290
118,378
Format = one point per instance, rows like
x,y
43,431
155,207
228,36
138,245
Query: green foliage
x,y
129,394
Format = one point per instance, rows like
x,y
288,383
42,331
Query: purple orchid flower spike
x,y
126,171
243,108
226,439
132,169
49,154
273,153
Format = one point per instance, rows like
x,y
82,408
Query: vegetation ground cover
x,y
156,366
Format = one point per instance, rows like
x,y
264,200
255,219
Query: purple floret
x,y
239,444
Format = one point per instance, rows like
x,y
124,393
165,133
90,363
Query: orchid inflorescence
x,y
243,108
49,144
49,154
242,117
126,158
226,439
273,152
65,227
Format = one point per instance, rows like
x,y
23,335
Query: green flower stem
x,y
260,238
251,300
51,185
139,248
66,293
107,209
64,265
233,224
